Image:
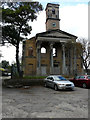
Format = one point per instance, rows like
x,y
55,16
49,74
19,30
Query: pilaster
x,y
51,58
64,59
38,58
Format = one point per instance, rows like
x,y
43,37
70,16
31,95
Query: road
x,y
2,78
41,102
0,98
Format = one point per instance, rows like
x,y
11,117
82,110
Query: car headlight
x,y
72,84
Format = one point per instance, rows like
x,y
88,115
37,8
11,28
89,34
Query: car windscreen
x,y
60,78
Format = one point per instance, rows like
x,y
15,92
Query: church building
x,y
53,51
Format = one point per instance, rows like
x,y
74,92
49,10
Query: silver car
x,y
58,82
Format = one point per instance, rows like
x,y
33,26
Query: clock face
x,y
54,24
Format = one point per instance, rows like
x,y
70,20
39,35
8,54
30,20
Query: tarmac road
x,y
41,102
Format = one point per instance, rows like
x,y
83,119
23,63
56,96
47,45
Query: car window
x,y
48,77
51,78
77,77
60,78
88,77
82,77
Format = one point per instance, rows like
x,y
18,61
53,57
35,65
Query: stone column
x,y
38,59
71,57
51,58
75,61
64,60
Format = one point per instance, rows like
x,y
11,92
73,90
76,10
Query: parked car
x,y
58,82
6,74
82,81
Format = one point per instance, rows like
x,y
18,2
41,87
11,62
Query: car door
x,y
88,81
49,81
81,80
76,81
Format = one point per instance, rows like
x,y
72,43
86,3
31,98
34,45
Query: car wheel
x,y
84,85
55,87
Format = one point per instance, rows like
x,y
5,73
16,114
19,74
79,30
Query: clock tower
x,y
52,16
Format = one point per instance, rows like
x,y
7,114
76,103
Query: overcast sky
x,y
74,20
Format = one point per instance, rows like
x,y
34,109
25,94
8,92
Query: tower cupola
x,y
52,16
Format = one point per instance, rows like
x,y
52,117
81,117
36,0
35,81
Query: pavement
x,y
41,102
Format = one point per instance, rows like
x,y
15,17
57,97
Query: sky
x,y
74,20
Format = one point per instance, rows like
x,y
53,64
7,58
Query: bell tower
x,y
52,16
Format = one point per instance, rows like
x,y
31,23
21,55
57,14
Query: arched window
x,y
53,11
54,52
43,50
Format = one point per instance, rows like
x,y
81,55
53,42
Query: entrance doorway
x,y
56,70
43,70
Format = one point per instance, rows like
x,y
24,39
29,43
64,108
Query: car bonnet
x,y
63,82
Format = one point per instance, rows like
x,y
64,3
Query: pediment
x,y
56,34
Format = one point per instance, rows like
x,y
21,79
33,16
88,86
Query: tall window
x,y
54,52
53,11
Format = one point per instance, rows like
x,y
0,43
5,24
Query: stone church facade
x,y
53,51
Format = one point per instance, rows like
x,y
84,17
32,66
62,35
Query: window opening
x,y
43,50
53,11
54,52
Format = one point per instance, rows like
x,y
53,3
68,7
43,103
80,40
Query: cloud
x,y
9,53
39,24
74,19
74,1
63,2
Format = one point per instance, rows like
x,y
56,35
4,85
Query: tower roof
x,y
52,4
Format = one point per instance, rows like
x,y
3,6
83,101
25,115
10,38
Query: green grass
x,y
26,81
34,77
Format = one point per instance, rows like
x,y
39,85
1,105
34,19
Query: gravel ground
x,y
41,102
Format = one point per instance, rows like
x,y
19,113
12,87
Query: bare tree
x,y
85,56
0,54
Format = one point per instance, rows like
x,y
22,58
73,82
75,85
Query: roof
x,y
50,4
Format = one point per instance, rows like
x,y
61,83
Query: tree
x,y
15,20
0,54
85,56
